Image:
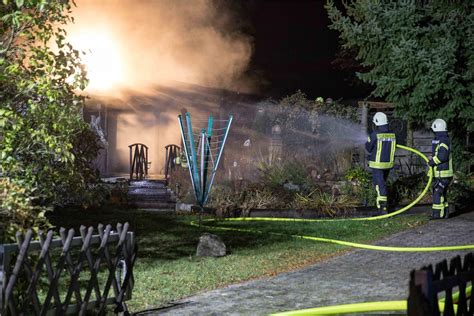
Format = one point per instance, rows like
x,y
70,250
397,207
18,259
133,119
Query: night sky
x,y
294,49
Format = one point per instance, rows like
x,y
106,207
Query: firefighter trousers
x,y
379,178
440,208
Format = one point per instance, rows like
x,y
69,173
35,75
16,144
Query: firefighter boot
x,y
382,209
446,211
440,213
436,214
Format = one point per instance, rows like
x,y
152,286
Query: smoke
x,y
333,133
147,60
139,44
323,144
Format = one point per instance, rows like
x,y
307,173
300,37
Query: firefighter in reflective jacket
x,y
381,147
442,168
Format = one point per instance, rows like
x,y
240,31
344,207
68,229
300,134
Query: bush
x,y
406,189
403,189
228,202
45,146
19,209
360,186
181,185
286,173
461,190
326,204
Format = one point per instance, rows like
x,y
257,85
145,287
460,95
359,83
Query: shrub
x,y
287,172
406,189
360,186
181,185
45,146
258,198
224,200
229,202
461,190
326,204
19,209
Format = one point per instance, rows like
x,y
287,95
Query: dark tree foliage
x,y
418,55
45,145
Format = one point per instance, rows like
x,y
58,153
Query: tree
x,y
44,151
418,55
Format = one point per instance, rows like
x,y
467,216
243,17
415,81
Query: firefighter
x,y
442,168
381,147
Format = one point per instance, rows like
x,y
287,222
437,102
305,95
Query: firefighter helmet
x,y
380,119
439,125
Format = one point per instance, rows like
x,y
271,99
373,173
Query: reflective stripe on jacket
x,y
441,151
381,146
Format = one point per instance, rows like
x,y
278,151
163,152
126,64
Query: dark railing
x,y
427,283
172,152
69,275
138,161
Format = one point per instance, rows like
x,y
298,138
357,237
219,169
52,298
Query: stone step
x,y
149,188
153,204
147,184
151,194
161,198
156,195
148,191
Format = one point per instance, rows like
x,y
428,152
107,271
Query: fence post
x,y
421,293
68,269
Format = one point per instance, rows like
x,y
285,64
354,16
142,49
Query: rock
x,y
210,246
183,207
291,187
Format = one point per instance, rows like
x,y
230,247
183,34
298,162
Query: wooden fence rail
x,y
68,275
427,284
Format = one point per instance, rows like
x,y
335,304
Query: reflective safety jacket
x,y
381,147
442,158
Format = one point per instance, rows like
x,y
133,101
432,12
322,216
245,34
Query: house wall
x,y
152,119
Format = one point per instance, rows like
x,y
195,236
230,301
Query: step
x,y
147,191
160,198
153,204
150,194
147,184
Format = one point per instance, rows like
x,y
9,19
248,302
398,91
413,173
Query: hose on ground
x,y
356,307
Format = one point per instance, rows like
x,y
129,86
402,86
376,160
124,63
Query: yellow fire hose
x,y
365,306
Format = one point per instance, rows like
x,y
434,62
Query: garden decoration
x,y
203,149
366,306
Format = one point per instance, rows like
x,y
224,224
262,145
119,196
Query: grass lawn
x,y
167,268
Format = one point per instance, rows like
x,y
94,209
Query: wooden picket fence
x,y
68,275
427,284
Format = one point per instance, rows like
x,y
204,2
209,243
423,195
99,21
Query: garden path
x,y
355,276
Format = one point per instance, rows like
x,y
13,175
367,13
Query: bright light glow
x,y
102,59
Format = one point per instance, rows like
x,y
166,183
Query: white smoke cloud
x,y
159,42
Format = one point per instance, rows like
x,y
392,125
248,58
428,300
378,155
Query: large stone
x,y
210,246
183,207
291,187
